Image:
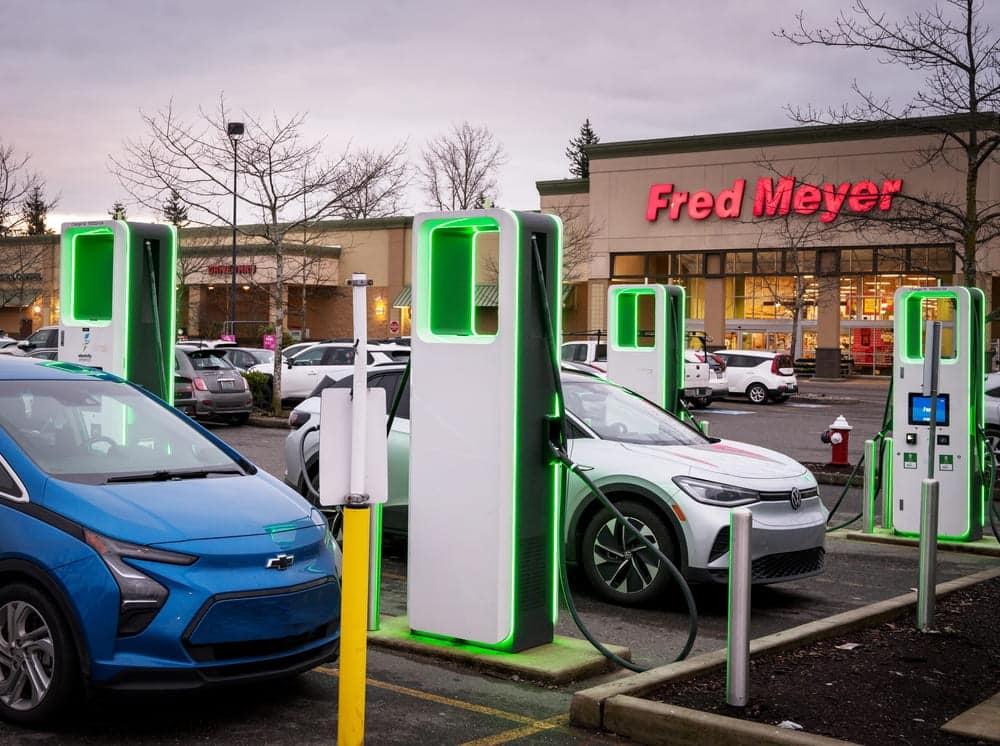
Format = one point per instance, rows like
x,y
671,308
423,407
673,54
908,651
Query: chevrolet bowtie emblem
x,y
281,562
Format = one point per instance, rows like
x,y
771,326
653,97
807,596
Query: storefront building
x,y
758,224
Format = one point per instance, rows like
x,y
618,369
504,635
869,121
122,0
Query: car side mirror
x,y
25,345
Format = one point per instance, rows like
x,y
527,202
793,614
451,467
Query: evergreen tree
x,y
118,211
175,211
579,162
34,210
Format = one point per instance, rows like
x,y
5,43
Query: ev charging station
x,y
117,300
653,368
952,451
484,490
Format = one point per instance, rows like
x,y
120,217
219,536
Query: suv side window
x,y
569,352
312,356
338,356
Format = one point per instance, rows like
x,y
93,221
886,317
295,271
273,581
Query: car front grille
x,y
788,564
228,651
787,495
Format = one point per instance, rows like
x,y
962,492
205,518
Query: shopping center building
x,y
752,224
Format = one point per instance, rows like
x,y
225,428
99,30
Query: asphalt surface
x,y
414,700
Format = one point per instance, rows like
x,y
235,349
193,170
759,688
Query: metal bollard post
x,y
928,554
703,426
886,480
868,491
738,642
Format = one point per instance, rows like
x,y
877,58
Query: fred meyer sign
x,y
771,199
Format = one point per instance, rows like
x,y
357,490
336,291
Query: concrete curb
x,y
274,422
589,708
987,546
658,723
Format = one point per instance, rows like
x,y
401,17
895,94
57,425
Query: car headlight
x,y
713,493
141,596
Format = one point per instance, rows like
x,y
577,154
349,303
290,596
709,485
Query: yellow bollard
x,y
353,628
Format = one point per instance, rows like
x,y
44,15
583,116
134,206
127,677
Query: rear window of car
x,y
601,353
209,360
784,361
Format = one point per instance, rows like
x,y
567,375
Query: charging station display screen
x,y
920,409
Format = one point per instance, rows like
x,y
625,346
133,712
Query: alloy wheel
x,y
622,560
27,656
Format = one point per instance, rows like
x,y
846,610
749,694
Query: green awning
x,y
487,296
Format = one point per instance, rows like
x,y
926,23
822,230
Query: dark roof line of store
x,y
563,186
803,135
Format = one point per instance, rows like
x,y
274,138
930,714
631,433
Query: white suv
x,y
760,376
332,359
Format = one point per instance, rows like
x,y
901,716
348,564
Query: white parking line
x,y
716,410
812,406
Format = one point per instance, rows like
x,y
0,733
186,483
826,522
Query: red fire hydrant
x,y
838,436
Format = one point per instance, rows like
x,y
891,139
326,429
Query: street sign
x,y
393,327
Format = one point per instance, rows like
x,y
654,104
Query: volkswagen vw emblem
x,y
795,498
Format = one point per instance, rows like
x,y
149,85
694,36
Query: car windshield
x,y
95,430
616,414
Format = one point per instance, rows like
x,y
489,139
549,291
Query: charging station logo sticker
x,y
909,461
946,462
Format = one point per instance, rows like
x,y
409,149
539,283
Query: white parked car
x,y
331,359
992,413
674,484
759,375
700,386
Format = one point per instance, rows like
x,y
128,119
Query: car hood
x,y
724,458
157,512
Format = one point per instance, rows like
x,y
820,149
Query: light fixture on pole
x,y
235,132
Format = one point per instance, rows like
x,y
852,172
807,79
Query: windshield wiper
x,y
166,475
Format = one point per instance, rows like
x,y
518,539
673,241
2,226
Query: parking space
x,y
412,700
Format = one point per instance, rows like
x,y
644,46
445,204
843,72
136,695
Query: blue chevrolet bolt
x,y
138,551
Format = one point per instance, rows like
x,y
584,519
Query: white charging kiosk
x,y
483,489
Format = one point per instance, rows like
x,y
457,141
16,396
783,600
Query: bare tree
x,y
957,54
377,197
460,168
15,185
196,161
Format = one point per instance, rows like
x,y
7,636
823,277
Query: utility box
x,y
484,490
650,364
959,455
117,300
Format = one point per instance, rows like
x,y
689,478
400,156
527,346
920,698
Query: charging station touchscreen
x,y
955,458
482,492
920,409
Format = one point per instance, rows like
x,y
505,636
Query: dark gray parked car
x,y
217,389
244,357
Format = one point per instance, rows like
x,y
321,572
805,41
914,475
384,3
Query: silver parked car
x,y
208,386
674,484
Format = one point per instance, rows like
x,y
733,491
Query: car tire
x,y
757,393
993,440
703,403
43,656
238,419
617,564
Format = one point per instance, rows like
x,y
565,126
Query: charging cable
x,y
560,454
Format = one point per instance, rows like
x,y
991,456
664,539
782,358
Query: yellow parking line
x,y
427,696
507,736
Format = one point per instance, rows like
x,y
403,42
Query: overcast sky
x,y
375,72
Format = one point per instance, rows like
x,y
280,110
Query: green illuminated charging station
x,y
484,490
652,366
117,301
960,450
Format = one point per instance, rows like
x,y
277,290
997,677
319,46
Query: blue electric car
x,y
138,551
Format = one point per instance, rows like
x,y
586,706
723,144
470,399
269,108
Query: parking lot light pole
x,y
235,132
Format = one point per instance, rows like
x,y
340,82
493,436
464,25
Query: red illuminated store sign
x,y
770,199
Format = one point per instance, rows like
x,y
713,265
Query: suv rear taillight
x,y
782,365
200,384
